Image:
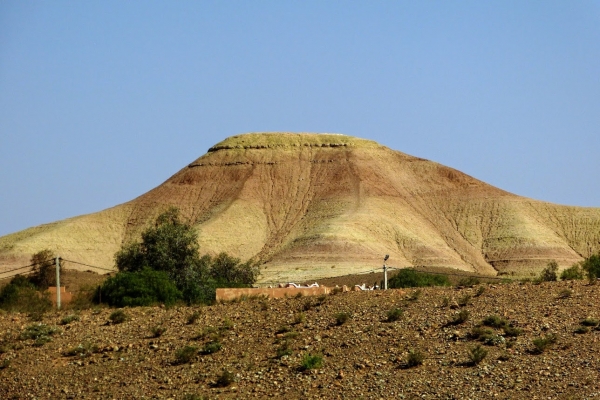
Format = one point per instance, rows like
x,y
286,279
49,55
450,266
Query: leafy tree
x,y
230,271
20,295
171,246
591,266
549,274
44,269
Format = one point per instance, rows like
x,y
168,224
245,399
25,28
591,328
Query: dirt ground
x,y
364,353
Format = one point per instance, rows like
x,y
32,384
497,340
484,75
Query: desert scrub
x,y
445,302
68,319
414,296
5,364
414,358
157,331
211,347
565,293
480,291
341,318
494,321
592,322
511,331
284,349
460,318
394,314
542,343
226,325
283,329
38,331
82,350
464,300
311,361
476,354
469,281
321,299
581,329
193,317
299,318
118,317
549,274
572,273
225,379
185,354
480,333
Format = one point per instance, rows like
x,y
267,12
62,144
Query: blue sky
x,y
100,101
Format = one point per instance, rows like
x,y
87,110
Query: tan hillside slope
x,y
317,205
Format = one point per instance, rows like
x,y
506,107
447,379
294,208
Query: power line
x,y
87,265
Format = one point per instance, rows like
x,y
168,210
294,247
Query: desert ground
x,y
364,351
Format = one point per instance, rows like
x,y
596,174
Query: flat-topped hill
x,y
318,205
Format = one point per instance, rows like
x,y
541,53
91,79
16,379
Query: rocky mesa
x,y
319,205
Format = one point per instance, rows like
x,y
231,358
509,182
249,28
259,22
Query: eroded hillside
x,y
317,205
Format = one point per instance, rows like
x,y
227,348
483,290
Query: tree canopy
x,y
171,246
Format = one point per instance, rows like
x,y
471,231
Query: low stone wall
x,y
275,293
65,297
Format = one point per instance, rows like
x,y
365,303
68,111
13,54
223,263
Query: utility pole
x,y
385,271
58,282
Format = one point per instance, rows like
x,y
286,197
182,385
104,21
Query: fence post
x,y
58,283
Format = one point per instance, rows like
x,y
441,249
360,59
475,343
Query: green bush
x,y
464,300
193,317
408,277
37,331
225,379
82,350
542,343
511,331
185,354
549,274
157,331
118,317
68,319
590,322
20,295
414,358
476,354
582,329
591,266
211,347
140,288
341,318
565,293
460,318
494,321
311,361
284,349
394,314
572,273
468,281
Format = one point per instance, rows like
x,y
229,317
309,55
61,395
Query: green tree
x,y
230,271
591,266
171,246
44,269
549,274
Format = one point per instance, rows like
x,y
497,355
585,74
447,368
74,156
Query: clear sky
x,y
100,101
